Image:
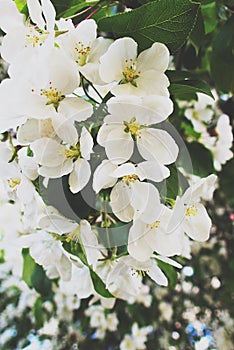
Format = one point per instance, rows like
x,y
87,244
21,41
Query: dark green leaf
x,y
169,271
41,283
75,7
187,87
61,6
176,184
180,80
169,22
226,182
202,160
222,58
198,33
22,6
209,16
38,313
28,266
99,285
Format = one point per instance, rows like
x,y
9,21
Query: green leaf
x,y
34,275
185,83
222,58
169,271
209,16
198,33
202,159
226,182
22,6
61,6
28,267
38,313
76,7
169,22
98,284
41,283
176,184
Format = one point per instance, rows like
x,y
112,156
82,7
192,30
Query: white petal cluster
x,y
92,111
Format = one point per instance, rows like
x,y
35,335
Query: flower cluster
x,y
93,111
213,127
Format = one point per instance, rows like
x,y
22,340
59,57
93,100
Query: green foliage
x,y
185,85
222,59
78,250
169,271
75,7
61,6
176,184
22,6
34,275
28,268
226,182
209,16
202,160
155,21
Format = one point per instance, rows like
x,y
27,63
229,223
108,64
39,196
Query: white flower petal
x,y
157,275
102,177
198,225
169,261
112,63
157,144
120,201
152,170
48,152
76,108
80,175
56,171
138,246
119,145
90,243
124,170
86,143
156,57
35,13
65,129
49,14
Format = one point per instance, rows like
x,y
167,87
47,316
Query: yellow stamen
x,y
12,183
54,97
81,53
129,179
34,37
191,210
154,225
133,128
130,73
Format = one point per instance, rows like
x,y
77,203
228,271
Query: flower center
x,y
130,73
81,53
141,273
133,128
195,115
130,179
12,183
54,97
35,37
73,153
154,225
191,211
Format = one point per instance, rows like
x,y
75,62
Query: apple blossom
x,y
57,159
82,45
128,123
142,75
